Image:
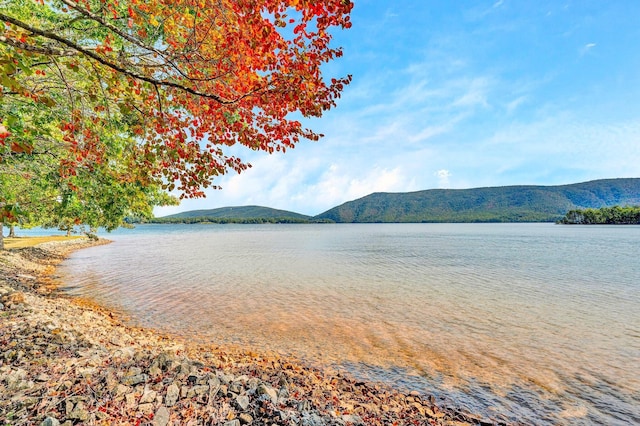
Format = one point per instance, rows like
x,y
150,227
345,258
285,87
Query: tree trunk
x,y
1,236
12,231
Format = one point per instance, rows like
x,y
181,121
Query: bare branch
x,y
67,85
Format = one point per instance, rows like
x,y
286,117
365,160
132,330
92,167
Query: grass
x,y
21,242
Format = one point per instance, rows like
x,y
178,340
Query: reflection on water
x,y
536,323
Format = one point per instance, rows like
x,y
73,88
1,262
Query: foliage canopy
x,y
106,104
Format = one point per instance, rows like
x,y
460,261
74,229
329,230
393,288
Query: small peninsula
x,y
616,215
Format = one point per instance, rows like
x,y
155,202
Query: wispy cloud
x,y
587,48
513,105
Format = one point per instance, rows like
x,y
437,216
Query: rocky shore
x,y
67,362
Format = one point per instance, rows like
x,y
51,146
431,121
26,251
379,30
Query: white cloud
x,y
443,176
338,184
587,48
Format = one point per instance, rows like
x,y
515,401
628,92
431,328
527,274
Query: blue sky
x,y
462,94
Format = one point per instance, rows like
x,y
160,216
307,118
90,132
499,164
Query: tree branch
x,y
114,66
50,51
90,15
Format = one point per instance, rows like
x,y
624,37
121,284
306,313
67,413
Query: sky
x,y
461,94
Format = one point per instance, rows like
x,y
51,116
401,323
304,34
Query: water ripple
x,y
532,323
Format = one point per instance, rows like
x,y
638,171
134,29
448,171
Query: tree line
x,y
234,220
616,215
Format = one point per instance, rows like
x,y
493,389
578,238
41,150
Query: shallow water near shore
x,y
530,323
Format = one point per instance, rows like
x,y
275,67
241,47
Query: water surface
x,y
534,323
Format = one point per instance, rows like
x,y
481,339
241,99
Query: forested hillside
x,y
492,204
243,214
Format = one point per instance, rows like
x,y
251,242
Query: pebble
x,y
268,391
145,408
79,412
50,421
148,396
242,401
353,419
130,399
172,395
245,419
161,417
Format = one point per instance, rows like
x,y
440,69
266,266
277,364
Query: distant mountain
x,y
242,214
494,204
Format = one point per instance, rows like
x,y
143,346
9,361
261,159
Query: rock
x,y
253,383
161,417
242,379
16,298
234,422
235,387
224,391
268,391
68,406
79,413
225,379
145,408
312,420
50,421
26,277
148,396
162,360
122,389
304,405
214,387
352,419
130,399
184,390
283,382
122,353
154,370
135,379
245,419
172,395
17,379
242,401
283,393
197,390
42,377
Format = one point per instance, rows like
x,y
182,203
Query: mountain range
x,y
520,203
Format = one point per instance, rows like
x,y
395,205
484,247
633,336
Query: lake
x,y
530,323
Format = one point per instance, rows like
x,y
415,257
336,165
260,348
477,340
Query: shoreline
x,y
70,361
